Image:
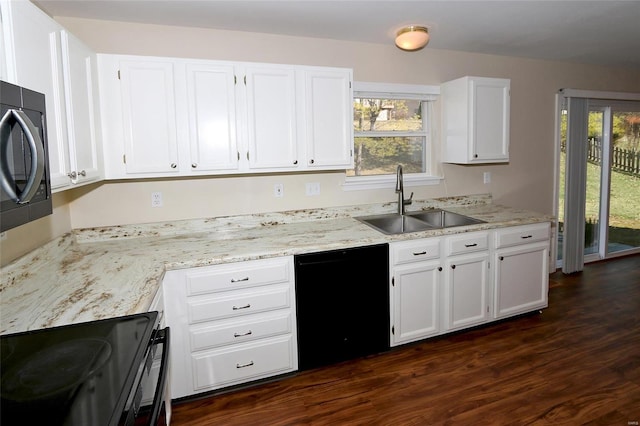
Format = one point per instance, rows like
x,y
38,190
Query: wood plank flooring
x,y
578,362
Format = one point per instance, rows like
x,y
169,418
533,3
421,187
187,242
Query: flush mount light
x,y
412,38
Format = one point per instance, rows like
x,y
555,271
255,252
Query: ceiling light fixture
x,y
412,38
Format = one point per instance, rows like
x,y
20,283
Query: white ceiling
x,y
603,32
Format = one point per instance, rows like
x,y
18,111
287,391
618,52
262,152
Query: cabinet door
x,y
80,72
149,117
489,130
475,115
271,118
328,119
31,51
212,117
466,299
521,279
415,300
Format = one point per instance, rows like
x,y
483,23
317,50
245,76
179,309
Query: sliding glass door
x,y
610,160
623,225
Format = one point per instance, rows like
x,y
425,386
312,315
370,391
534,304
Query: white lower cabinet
x,y
230,324
416,302
439,285
466,295
416,273
521,271
240,363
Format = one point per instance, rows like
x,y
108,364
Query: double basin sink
x,y
394,223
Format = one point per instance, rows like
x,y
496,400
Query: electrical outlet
x,y
313,188
156,199
278,190
486,177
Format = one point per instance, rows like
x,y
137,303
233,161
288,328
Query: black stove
x,y
80,374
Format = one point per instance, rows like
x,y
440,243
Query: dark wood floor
x,y
577,362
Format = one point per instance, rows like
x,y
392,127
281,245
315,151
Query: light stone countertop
x,y
99,273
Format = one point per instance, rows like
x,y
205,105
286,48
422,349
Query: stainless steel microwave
x,y
25,190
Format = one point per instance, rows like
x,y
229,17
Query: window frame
x,y
424,93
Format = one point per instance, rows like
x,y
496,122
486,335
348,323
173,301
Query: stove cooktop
x,y
79,374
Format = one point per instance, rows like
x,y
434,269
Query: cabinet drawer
x,y
238,275
415,251
247,328
467,243
237,303
522,235
243,362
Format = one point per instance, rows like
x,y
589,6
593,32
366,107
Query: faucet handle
x,y
409,201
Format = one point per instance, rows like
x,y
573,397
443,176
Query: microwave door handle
x,y
37,155
8,183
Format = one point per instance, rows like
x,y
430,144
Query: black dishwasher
x,y
342,299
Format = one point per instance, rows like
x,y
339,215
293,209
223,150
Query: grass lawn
x,y
624,216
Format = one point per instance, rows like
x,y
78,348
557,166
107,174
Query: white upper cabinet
x,y
149,117
475,120
213,138
184,117
271,117
81,99
37,53
328,124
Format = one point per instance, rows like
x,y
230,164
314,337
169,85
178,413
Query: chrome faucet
x,y
400,191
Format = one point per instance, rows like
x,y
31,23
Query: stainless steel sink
x,y
394,223
444,218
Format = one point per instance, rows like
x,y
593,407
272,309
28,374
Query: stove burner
x,y
56,369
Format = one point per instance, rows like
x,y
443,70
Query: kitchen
x,y
526,182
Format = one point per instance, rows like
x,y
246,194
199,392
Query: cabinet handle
x,y
72,175
439,268
233,280
453,266
248,333
475,155
295,162
174,165
249,364
82,173
471,245
194,165
421,253
311,161
501,257
237,308
528,236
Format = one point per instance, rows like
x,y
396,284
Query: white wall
x,y
525,182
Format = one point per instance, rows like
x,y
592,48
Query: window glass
x,y
389,132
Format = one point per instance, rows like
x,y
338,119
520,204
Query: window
x,y
392,125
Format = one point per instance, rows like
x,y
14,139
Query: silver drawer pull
x,y
471,245
233,280
236,308
528,236
249,364
420,253
248,333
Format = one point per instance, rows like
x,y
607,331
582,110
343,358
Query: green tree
x,y
380,152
